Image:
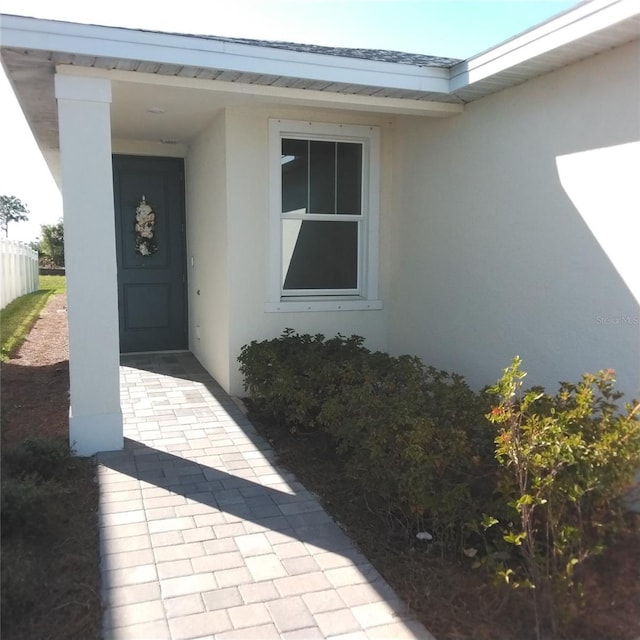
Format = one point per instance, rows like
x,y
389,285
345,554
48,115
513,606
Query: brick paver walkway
x,y
203,536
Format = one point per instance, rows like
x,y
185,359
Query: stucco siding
x,y
493,252
207,249
248,232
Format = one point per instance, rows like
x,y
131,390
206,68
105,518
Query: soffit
x,y
188,96
55,58
526,57
175,63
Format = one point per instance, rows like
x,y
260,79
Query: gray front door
x,y
150,247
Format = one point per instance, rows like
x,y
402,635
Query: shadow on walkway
x,y
202,535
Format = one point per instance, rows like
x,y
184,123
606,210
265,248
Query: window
x,y
324,216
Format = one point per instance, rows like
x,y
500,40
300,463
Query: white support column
x,y
95,421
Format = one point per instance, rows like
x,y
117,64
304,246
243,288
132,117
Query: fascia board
x,y
186,50
565,29
281,95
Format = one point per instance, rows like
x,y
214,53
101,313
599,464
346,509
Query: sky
x,y
449,28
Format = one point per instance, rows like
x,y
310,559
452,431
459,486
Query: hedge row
x,y
436,451
414,436
523,483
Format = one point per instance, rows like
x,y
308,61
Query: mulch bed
x,y
35,381
50,571
453,602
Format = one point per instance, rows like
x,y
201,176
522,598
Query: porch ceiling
x,y
172,103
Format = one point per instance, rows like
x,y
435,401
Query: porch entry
x,y
150,249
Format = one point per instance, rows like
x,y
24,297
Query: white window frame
x,y
367,295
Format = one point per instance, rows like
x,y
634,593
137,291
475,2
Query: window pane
x,y
322,177
349,178
319,255
295,175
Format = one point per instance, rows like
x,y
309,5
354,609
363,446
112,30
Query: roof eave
x,y
114,42
558,33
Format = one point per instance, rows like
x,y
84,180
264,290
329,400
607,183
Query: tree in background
x,y
12,209
52,243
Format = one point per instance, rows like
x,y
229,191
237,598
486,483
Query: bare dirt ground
x,y
50,562
35,381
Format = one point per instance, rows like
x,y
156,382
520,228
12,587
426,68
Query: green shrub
x,y
565,462
411,434
529,498
18,597
414,436
26,504
290,377
545,488
32,475
43,458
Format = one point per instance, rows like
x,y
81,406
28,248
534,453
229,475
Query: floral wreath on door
x,y
145,229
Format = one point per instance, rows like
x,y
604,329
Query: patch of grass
x,y
55,284
17,318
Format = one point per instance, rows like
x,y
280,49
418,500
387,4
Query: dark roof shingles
x,y
379,55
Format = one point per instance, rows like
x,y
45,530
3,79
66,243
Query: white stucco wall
x,y
500,248
207,250
247,137
227,227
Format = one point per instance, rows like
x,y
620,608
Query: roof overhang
x,y
107,46
588,29
193,76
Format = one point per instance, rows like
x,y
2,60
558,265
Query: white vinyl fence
x,y
18,270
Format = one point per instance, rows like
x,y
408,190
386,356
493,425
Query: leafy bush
x,y
50,562
32,476
52,245
290,377
18,597
26,504
411,437
42,458
529,498
565,461
414,436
